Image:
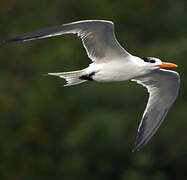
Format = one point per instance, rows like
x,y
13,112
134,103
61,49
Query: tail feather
x,y
72,78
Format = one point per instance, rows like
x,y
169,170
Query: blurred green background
x,y
87,131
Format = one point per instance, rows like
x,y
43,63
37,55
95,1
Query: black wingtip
x,y
12,40
9,40
138,145
136,148
17,38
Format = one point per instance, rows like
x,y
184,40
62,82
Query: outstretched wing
x,y
163,86
97,36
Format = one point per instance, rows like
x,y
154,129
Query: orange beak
x,y
167,65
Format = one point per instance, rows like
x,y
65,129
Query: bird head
x,y
157,63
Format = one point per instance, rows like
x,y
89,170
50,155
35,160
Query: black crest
x,y
149,59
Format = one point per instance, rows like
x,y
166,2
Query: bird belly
x,y
115,72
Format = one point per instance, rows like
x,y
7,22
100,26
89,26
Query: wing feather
x,y
97,36
163,88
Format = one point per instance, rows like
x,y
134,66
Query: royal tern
x,y
112,63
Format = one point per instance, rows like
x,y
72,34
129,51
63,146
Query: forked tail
x,y
72,78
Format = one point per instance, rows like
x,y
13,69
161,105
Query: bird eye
x,y
152,61
146,59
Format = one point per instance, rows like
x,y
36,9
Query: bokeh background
x,y
87,131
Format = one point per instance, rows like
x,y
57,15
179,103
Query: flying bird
x,y
112,63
